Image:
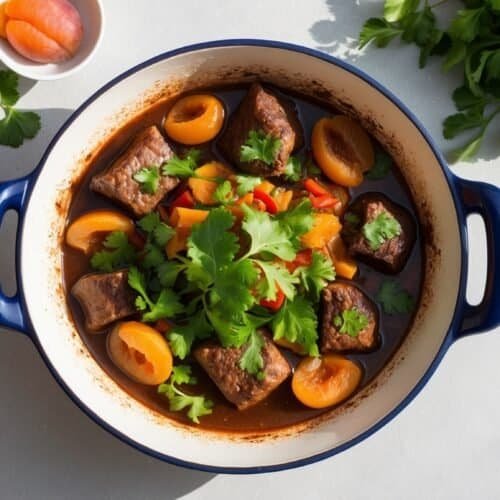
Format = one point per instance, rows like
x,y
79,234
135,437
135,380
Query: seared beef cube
x,y
391,255
349,319
237,385
104,298
117,182
263,112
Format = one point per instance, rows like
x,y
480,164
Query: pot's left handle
x,y
483,199
13,197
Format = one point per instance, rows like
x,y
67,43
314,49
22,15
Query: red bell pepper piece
x,y
274,305
269,202
184,199
315,188
323,201
303,258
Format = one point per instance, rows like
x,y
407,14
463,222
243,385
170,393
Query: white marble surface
x,y
445,445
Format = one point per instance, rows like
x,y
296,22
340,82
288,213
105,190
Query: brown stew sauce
x,y
281,409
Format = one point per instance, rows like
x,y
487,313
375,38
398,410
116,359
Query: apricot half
x,y
342,149
195,119
326,381
45,31
141,352
82,232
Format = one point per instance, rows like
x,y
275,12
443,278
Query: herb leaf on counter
x,y
16,125
472,40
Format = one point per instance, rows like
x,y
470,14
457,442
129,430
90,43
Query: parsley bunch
x,y
472,41
15,126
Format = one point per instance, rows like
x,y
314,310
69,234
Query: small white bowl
x,y
92,14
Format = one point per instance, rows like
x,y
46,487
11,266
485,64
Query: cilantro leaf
x,y
267,235
297,221
378,30
179,400
315,276
457,123
148,179
9,94
465,99
233,285
167,304
211,246
381,167
157,231
466,25
246,184
168,271
16,125
152,256
224,193
293,169
182,167
297,322
234,330
260,146
276,275
351,322
119,253
381,229
394,299
252,360
182,337
455,55
395,10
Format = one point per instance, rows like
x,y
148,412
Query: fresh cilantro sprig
x,y
182,336
260,146
148,179
296,221
117,253
293,169
179,400
297,322
166,305
381,229
223,194
351,322
246,184
471,41
315,276
182,167
252,360
274,276
16,125
394,299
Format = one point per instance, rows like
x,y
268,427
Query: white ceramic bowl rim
x,y
455,329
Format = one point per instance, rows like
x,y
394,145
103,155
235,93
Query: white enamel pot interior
x,y
206,64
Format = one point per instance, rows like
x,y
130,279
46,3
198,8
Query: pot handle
x,y
483,199
13,197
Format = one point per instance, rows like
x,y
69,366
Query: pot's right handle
x,y
12,197
483,199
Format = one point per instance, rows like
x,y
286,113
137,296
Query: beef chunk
x,y
337,298
262,111
237,385
392,254
117,182
104,298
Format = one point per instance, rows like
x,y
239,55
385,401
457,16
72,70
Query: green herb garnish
x,y
224,193
246,184
251,359
182,167
260,146
293,169
148,179
315,276
178,400
394,299
381,229
118,253
351,322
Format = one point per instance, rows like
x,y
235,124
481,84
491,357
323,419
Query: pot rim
x,y
262,43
